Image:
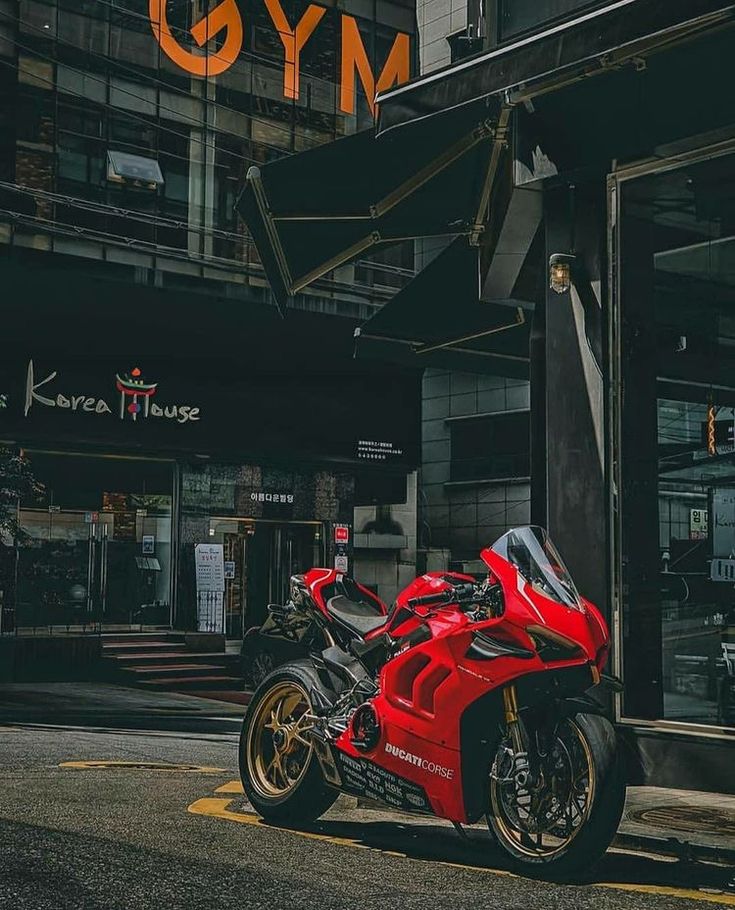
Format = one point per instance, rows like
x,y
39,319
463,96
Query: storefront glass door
x,y
105,564
260,558
62,569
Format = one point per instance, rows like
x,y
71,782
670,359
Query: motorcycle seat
x,y
359,618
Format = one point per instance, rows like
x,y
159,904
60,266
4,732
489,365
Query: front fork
x,y
521,768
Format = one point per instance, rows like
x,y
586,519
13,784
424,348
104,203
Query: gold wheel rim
x,y
278,748
518,840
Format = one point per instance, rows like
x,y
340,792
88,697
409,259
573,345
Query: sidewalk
x,y
102,705
685,823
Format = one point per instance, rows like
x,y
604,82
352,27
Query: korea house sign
x,y
171,407
136,398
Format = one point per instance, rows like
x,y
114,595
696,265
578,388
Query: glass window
x,y
96,545
677,299
94,79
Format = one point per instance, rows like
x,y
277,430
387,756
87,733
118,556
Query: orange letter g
x,y
224,16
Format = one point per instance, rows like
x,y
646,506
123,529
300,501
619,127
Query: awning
x,y
439,320
594,42
315,211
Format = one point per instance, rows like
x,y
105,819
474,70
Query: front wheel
x,y
560,817
280,773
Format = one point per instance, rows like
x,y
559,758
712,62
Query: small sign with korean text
x,y
698,524
282,498
209,561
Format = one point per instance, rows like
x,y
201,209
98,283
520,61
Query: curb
x,y
685,851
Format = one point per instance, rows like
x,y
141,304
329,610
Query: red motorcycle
x,y
464,700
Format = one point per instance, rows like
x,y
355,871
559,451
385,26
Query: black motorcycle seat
x,y
359,618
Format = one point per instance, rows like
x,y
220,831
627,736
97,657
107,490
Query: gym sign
x,y
222,29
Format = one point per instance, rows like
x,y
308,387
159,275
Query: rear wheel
x,y
563,815
280,774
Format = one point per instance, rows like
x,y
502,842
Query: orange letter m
x,y
354,59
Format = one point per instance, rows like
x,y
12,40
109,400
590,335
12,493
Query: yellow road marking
x,y
141,766
668,891
219,808
233,786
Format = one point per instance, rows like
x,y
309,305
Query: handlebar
x,y
460,594
428,599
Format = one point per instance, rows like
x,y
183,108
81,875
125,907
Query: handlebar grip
x,y
426,599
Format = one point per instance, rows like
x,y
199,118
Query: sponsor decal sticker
x,y
425,764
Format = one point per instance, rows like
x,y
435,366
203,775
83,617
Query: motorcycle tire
x,y
281,776
603,814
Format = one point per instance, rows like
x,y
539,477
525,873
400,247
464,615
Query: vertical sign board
x,y
341,548
722,521
698,524
209,561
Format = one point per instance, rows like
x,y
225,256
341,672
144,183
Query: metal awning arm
x,y
428,348
482,131
500,142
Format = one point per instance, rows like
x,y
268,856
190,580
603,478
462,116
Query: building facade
x,y
631,398
599,201
162,402
475,449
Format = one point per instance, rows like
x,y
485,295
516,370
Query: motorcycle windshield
x,y
531,551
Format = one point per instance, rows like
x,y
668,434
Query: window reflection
x,y
678,462
93,78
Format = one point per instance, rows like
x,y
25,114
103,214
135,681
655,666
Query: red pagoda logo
x,y
132,387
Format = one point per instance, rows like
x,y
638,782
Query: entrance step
x,y
118,648
142,657
187,683
164,662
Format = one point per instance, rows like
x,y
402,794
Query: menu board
x,y
209,560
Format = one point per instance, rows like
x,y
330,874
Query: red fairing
x,y
431,681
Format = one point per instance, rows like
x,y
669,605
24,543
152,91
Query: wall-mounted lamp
x,y
560,272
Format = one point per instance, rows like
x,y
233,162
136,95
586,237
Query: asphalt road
x,y
127,835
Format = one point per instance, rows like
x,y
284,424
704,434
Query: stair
x,y
162,662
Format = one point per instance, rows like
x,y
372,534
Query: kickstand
x,y
461,831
